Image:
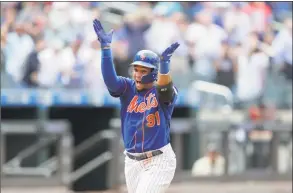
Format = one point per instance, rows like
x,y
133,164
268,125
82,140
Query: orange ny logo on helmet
x,y
142,57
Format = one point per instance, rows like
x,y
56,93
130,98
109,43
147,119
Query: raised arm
x,y
114,83
164,83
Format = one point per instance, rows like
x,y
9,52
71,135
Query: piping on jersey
x,y
143,120
125,86
135,140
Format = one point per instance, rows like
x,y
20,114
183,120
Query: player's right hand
x,y
104,38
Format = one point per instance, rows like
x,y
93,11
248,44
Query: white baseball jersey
x,y
152,175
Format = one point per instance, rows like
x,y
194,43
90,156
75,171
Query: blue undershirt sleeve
x,y
114,83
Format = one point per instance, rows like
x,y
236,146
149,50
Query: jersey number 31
x,y
153,119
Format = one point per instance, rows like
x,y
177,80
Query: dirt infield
x,y
245,187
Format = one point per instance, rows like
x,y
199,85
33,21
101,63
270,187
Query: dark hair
x,y
38,38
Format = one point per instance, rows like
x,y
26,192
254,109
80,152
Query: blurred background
x,y
233,69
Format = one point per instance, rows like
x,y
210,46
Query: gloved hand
x,y
104,38
166,55
165,58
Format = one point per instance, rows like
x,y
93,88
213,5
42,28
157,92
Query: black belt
x,y
144,155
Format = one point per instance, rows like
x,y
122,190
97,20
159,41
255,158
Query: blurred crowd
x,y
246,46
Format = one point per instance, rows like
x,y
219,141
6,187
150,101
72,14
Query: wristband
x,y
106,52
164,67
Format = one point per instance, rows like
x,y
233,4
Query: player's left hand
x,y
166,55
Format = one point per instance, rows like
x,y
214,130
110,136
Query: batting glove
x,y
104,38
165,58
166,55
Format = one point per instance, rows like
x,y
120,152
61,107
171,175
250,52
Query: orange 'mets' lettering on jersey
x,y
151,102
133,104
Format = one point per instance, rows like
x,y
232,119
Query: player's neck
x,y
146,87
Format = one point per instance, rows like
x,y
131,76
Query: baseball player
x,y
147,103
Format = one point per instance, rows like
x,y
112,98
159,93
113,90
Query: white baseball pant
x,y
152,175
